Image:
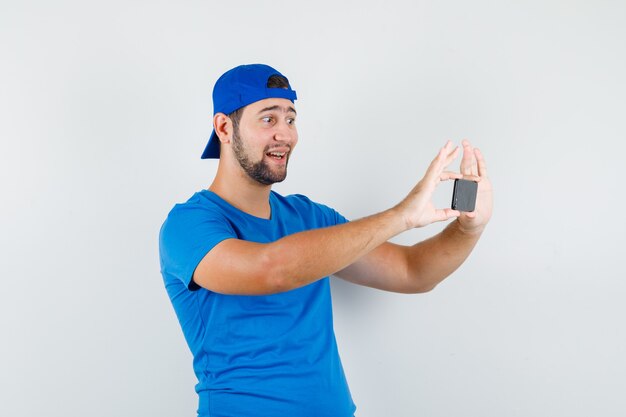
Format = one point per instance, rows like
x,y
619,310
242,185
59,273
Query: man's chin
x,y
268,179
273,174
265,174
273,179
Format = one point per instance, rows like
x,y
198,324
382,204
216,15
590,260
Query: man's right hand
x,y
417,208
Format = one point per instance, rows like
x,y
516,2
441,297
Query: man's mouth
x,y
277,155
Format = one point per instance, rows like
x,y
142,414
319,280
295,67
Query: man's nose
x,y
284,132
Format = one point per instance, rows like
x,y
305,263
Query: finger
x,y
445,214
468,162
482,166
444,158
475,178
469,214
447,154
449,175
452,156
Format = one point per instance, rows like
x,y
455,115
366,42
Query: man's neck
x,y
243,192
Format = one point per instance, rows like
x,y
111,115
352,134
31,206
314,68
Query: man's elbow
x,y
425,288
273,274
421,286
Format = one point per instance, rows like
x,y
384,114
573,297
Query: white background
x,y
106,107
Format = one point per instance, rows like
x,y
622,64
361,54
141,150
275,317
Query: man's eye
x,y
291,121
267,119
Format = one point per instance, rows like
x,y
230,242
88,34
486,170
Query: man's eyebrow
x,y
271,108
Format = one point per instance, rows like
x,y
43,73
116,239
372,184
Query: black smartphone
x,y
464,195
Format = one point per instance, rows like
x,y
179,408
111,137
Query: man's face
x,y
265,138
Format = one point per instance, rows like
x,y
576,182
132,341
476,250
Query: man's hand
x,y
473,165
420,267
417,208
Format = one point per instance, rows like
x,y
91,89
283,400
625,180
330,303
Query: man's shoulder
x,y
303,206
293,199
200,200
200,205
299,202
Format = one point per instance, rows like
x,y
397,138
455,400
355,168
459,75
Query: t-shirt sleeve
x,y
324,215
186,236
333,215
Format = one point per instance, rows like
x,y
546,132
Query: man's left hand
x,y
473,165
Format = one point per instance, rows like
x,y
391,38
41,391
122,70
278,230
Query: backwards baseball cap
x,y
239,87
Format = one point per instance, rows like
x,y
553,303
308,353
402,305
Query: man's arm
x,y
240,267
419,268
413,269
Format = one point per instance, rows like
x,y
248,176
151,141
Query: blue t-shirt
x,y
273,355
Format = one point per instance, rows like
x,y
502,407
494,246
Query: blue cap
x,y
239,87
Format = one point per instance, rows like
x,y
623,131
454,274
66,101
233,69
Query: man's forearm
x,y
434,259
301,258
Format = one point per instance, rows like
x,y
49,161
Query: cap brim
x,y
212,149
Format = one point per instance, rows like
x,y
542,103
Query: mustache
x,y
277,146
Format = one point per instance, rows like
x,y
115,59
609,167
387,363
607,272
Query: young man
x,y
247,269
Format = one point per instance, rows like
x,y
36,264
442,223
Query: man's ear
x,y
223,127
